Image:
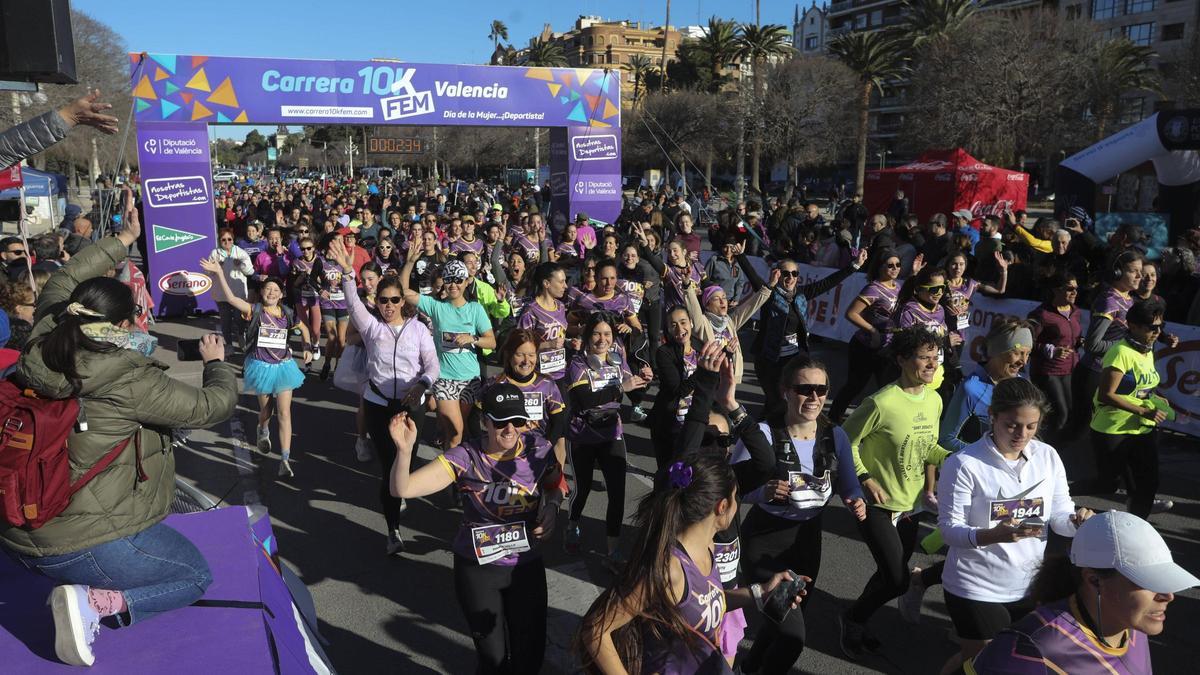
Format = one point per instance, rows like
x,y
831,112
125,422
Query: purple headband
x,y
708,293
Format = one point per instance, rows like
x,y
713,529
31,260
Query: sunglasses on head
x,y
389,299
810,390
933,290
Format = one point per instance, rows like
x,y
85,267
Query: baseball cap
x,y
581,217
504,402
455,271
963,213
1122,541
344,231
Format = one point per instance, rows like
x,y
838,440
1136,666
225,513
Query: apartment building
x,y
598,43
810,31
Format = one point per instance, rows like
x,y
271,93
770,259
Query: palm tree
x,y
499,32
640,66
719,46
875,58
935,20
1118,66
545,53
759,44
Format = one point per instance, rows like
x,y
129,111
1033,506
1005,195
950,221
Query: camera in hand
x,y
779,603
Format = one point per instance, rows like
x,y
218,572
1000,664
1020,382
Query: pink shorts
x,y
733,629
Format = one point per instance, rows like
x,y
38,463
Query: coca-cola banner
x,y
11,177
945,181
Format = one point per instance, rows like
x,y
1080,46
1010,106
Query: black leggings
x,y
891,546
862,364
651,316
378,417
1132,458
1058,388
611,458
771,544
505,608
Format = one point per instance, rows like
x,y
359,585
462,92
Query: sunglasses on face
x,y
933,290
789,274
723,441
1156,327
306,248
303,230
516,424
389,299
810,390
222,239
893,266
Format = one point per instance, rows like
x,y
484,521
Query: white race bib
x,y
964,321
270,337
535,405
606,376
552,361
493,542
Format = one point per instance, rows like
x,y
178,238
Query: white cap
x,y
1122,541
963,213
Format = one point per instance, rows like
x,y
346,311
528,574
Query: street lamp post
x,y
882,155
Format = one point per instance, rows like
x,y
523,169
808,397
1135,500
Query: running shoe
x,y
395,544
264,439
325,369
75,624
316,352
1161,506
637,414
572,537
363,450
852,634
285,468
909,604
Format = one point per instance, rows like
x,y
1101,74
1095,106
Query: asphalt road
x,y
389,615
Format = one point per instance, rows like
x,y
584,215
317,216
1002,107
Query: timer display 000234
x,y
395,146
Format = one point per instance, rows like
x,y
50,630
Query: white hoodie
x,y
977,490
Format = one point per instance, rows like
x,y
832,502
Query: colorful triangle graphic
x,y
540,74
554,87
140,105
199,111
199,81
187,96
224,94
578,114
160,74
144,89
566,78
197,60
241,118
574,95
168,108
171,88
610,109
593,100
166,61
583,74
564,99
222,118
598,123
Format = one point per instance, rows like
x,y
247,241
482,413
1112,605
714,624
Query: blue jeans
x,y
157,570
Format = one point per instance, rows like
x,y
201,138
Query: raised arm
x,y
410,296
818,287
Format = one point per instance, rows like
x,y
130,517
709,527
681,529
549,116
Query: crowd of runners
x,y
534,341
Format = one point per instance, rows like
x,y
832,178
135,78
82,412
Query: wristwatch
x,y
757,591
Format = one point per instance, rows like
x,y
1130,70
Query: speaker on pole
x,y
36,44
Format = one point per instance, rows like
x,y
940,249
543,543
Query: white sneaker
x,y
1161,506
909,604
264,439
285,468
363,449
395,543
75,624
637,414
316,351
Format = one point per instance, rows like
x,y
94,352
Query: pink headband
x,y
708,293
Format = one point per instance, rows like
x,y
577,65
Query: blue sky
x,y
434,32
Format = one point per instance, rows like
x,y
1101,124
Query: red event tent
x,y
941,181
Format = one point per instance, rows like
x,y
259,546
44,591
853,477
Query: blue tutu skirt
x,y
268,379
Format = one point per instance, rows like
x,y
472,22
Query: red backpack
x,y
35,472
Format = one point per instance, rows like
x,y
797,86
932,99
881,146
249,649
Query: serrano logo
x,y
185,282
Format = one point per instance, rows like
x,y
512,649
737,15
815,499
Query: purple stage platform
x,y
279,637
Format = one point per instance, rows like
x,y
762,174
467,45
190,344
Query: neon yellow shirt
x,y
1138,381
893,435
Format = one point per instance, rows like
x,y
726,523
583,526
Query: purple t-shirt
x,y
548,326
332,287
605,383
542,399
502,496
960,296
1051,639
618,304
702,608
270,345
880,300
528,248
673,282
459,246
1113,305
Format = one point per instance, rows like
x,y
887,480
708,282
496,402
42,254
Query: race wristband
x,y
757,592
864,477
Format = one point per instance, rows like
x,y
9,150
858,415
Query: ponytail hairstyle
x,y
697,482
1058,579
542,274
880,260
909,289
93,300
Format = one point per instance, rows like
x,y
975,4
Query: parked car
x,y
225,177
